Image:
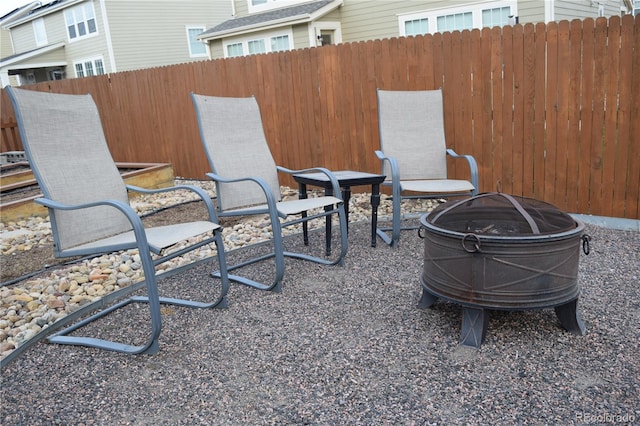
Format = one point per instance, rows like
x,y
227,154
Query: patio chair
x,y
90,212
413,153
247,181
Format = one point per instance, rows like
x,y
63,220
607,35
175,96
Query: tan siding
x,y
369,20
23,38
94,46
531,11
149,34
573,9
216,49
242,7
301,36
6,47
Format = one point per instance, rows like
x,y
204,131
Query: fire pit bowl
x,y
496,251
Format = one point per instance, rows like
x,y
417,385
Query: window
x,y
474,15
89,67
234,50
416,26
80,21
270,42
497,17
456,21
279,43
196,47
256,46
40,32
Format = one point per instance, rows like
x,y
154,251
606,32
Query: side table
x,y
346,179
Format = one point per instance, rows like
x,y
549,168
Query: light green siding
x,y
301,36
154,33
24,38
6,46
531,11
89,48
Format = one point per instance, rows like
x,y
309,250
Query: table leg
x,y
328,192
302,194
346,196
375,202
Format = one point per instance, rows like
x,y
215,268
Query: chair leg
x,y
153,300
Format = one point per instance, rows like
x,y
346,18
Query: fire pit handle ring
x,y
421,233
476,244
585,244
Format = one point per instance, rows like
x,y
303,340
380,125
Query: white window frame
x,y
190,42
40,32
80,7
272,4
261,36
83,62
475,9
315,29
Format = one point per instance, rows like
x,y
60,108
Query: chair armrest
x,y
125,208
473,167
271,201
393,166
335,184
199,191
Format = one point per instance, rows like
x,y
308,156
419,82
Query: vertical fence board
x,y
498,105
477,99
518,111
632,208
485,160
597,123
540,115
624,161
551,113
573,113
528,115
586,115
610,114
507,110
562,116
465,146
452,94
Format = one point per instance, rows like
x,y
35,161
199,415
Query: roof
x,y
299,13
34,10
20,57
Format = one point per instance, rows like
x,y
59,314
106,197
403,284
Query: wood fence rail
x,y
550,111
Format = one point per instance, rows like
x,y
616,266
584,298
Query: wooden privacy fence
x,y
550,111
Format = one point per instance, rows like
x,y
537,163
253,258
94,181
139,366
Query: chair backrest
x,y
236,147
412,131
68,153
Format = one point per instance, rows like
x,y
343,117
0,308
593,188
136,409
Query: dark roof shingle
x,y
266,17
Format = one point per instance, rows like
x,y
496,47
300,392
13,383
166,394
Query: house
x,y
262,26
79,38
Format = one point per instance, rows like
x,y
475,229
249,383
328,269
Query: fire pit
x,y
502,252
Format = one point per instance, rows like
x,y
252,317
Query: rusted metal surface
x,y
494,251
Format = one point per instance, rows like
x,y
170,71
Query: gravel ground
x,y
348,345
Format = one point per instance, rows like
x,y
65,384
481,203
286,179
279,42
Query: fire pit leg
x,y
427,299
570,317
474,326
